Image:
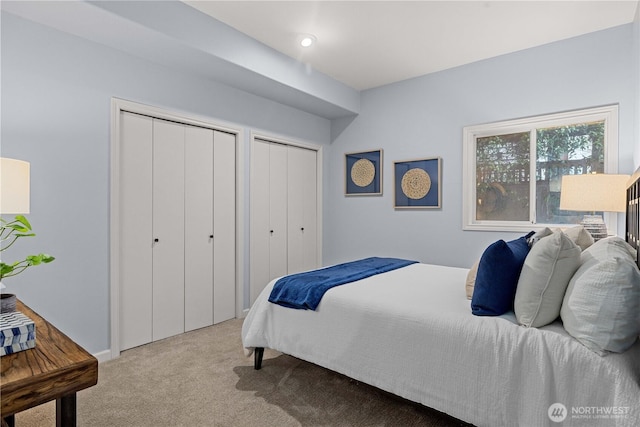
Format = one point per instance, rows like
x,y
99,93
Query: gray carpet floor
x,y
202,378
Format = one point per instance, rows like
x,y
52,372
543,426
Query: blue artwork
x,y
363,173
417,184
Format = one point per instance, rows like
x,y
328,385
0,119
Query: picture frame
x,y
363,173
418,183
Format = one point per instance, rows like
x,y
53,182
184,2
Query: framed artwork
x,y
363,173
417,184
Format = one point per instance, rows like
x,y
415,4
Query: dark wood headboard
x,y
633,212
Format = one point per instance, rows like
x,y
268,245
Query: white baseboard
x,y
103,356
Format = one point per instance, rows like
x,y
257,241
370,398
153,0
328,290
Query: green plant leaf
x,y
5,269
18,228
23,220
34,259
10,232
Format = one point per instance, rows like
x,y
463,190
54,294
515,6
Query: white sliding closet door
x,y
277,210
224,226
284,220
177,234
260,219
198,253
302,210
268,214
168,229
136,283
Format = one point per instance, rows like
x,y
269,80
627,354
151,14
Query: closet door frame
x,y
119,106
260,137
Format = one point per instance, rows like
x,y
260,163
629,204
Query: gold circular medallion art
x,y
416,183
362,172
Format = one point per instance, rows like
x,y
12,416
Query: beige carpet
x,y
202,378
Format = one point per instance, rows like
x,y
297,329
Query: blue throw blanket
x,y
305,290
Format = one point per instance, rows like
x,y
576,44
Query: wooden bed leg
x,y
257,354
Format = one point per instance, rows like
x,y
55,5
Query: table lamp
x,y
14,187
594,193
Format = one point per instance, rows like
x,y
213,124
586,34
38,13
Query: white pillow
x,y
580,236
471,279
601,307
607,248
544,279
539,235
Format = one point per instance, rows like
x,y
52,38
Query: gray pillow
x,y
544,279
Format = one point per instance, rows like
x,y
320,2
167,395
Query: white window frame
x,y
608,113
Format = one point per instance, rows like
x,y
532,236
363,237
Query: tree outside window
x,y
502,177
567,150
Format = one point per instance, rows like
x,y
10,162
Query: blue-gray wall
x,y
56,91
424,117
56,94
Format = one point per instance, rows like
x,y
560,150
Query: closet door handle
x,y
271,231
302,229
156,240
211,236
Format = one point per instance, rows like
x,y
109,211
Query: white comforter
x,y
411,332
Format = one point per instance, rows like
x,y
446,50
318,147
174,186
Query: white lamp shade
x,y
14,186
594,193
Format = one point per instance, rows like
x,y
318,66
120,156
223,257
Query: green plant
x,y
9,233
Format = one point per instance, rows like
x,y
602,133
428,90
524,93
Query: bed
x,y
411,332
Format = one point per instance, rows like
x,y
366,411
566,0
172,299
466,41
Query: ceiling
x,y
366,44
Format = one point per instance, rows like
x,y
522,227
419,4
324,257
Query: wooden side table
x,y
56,368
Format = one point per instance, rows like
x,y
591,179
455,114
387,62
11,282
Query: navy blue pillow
x,y
497,278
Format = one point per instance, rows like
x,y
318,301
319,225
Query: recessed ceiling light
x,y
307,40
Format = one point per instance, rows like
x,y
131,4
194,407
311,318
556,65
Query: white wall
x,y
56,92
424,117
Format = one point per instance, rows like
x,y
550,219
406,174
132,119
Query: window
x,y
500,160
